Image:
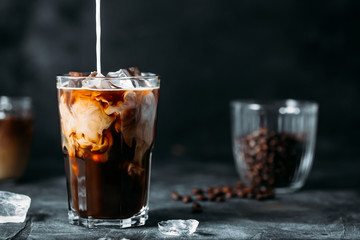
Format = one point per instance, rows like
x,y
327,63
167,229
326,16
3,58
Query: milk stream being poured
x,y
98,36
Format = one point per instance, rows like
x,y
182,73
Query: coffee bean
x,y
219,199
226,189
240,193
176,196
211,196
271,158
249,189
196,208
264,147
240,184
271,193
229,195
209,190
262,131
187,199
263,189
271,181
260,196
201,197
218,191
280,149
196,191
257,179
249,195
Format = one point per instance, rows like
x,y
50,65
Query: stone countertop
x,y
324,209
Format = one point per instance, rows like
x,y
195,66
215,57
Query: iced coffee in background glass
x,y
16,129
108,130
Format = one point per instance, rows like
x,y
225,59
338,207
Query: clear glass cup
x,y
108,135
273,142
16,129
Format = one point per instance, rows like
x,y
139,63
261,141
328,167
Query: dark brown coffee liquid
x,y
111,181
15,140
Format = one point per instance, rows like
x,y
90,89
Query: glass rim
x,y
285,106
275,102
152,80
16,106
15,98
67,76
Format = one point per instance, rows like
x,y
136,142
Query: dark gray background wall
x,y
207,53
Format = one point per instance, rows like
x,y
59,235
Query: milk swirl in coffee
x,y
107,138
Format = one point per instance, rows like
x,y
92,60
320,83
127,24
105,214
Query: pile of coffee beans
x,y
271,158
221,193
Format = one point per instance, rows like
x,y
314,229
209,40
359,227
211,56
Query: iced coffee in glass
x,y
16,130
108,131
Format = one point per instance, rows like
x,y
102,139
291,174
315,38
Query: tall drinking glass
x,y
108,131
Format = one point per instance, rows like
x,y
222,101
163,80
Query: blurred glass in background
x,y
16,129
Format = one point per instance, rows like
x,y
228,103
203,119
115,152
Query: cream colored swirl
x,y
85,120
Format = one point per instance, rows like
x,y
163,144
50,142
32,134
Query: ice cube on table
x,y
13,207
178,227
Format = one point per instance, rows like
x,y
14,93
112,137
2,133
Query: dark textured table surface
x,y
327,208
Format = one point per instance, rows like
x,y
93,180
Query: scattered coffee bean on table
x,y
229,195
211,196
219,199
219,194
197,191
209,190
271,161
176,196
201,197
187,199
196,208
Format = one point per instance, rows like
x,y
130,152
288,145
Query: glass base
x,y
134,221
289,189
